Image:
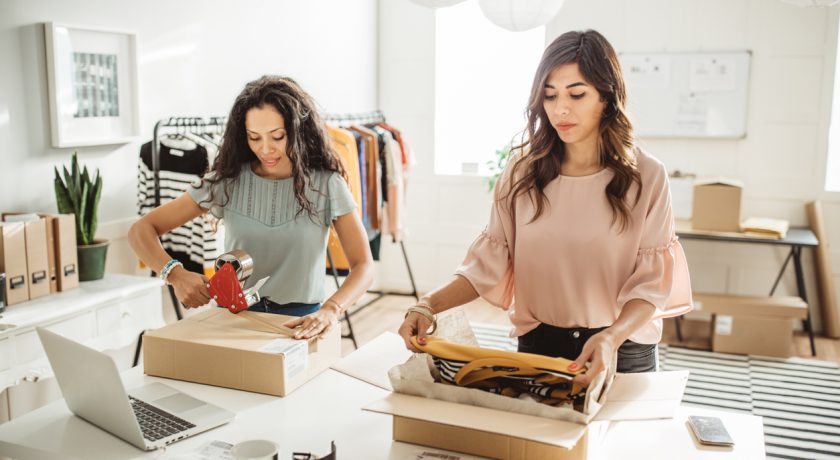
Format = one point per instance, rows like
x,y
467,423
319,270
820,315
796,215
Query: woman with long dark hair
x,y
581,232
279,185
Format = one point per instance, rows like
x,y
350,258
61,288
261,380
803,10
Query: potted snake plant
x,y
78,193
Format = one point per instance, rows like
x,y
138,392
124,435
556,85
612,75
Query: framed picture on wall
x,y
92,81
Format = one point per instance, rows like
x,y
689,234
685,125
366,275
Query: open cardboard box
x,y
502,434
246,351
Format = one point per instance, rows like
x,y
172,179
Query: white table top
x,y
329,408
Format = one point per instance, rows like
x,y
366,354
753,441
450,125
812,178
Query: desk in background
x,y
796,239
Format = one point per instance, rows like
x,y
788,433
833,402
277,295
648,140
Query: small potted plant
x,y
79,194
497,166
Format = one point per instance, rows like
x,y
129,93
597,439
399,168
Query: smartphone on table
x,y
710,431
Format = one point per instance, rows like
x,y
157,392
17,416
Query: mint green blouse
x,y
261,219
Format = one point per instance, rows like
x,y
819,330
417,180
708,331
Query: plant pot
x,y
92,260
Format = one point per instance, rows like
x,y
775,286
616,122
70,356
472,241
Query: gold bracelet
x,y
426,313
340,308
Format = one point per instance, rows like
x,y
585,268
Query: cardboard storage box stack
x,y
464,427
38,255
716,205
13,262
753,325
245,351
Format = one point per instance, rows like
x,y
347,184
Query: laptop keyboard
x,y
156,423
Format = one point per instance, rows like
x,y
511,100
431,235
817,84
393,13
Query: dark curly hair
x,y
541,152
308,147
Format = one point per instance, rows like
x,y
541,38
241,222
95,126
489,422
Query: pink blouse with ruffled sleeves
x,y
571,267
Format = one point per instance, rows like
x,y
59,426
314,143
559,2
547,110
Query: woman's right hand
x,y
414,324
190,288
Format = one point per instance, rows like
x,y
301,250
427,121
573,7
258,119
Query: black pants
x,y
568,342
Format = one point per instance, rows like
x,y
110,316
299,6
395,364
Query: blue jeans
x,y
568,343
288,309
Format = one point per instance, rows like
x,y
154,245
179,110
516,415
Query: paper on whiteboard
x,y
712,73
647,71
691,115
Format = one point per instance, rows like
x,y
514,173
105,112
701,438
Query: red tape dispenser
x,y
225,286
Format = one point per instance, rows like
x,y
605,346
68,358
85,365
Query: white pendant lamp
x,y
519,15
437,3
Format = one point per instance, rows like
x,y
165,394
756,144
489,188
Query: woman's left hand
x,y
314,324
599,351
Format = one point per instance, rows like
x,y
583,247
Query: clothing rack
x,y
345,120
180,125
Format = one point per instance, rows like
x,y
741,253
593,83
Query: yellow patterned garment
x,y
548,380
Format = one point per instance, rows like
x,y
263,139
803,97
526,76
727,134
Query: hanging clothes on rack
x,y
391,222
194,243
345,145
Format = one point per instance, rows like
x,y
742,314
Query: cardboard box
x,y
49,232
13,261
753,325
244,351
502,434
717,205
66,257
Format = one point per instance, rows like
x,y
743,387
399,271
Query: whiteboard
x,y
687,94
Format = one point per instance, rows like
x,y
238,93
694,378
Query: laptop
x,y
148,417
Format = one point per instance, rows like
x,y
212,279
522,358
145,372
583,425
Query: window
x,y
483,76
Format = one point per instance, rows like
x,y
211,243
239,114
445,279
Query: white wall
x,y
193,59
782,160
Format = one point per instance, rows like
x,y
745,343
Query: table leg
x,y
800,286
782,271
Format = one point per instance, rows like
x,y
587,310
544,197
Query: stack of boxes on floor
x,y
756,325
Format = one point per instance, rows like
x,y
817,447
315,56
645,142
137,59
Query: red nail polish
x,y
573,366
422,340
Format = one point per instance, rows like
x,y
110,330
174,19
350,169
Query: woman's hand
x,y
190,288
315,324
414,324
599,351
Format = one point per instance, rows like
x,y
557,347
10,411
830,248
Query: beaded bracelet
x,y
164,272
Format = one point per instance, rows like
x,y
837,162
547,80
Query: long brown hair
x,y
541,151
308,146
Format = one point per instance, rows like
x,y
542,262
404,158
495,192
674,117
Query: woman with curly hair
x,y
581,232
279,185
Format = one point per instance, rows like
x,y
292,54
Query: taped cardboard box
x,y
502,433
717,205
753,325
245,351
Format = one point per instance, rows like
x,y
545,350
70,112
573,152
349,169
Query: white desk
x,y
106,314
672,439
328,408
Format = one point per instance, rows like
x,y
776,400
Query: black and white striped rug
x,y
799,399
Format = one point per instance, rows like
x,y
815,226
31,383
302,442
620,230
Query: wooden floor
x,y
387,314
